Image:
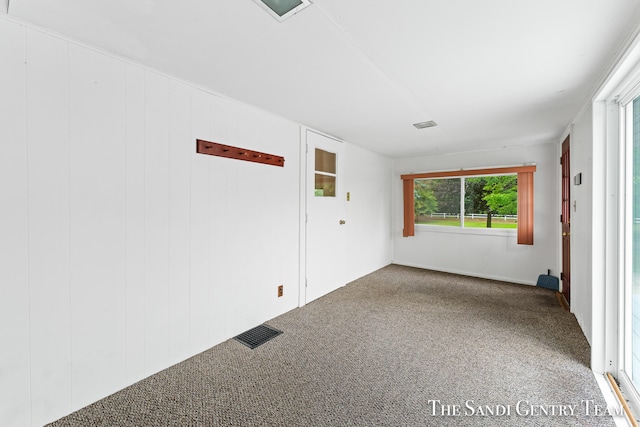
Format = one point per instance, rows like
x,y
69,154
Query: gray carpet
x,y
374,353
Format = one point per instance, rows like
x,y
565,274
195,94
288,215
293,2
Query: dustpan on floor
x,y
548,281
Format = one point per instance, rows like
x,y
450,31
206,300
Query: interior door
x,y
326,225
565,219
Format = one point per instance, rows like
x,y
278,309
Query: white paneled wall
x,y
157,107
122,251
49,226
134,249
368,213
97,208
179,219
582,283
200,317
15,337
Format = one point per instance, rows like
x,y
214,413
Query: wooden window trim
x,y
409,212
525,196
469,172
525,208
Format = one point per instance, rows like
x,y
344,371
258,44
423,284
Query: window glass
x,y
325,185
437,201
325,174
325,161
489,201
635,248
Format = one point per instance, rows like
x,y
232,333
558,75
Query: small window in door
x,y
325,175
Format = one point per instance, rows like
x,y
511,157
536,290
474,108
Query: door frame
x,y
302,231
565,218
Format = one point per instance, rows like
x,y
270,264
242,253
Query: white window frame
x,y
611,218
624,374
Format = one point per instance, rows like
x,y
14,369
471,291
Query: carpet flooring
x,y
399,347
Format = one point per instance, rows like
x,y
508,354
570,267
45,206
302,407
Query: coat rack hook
x,y
220,150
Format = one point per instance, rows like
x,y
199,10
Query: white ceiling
x,y
491,73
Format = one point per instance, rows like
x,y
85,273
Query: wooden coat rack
x,y
220,150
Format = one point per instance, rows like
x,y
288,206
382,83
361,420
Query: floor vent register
x,y
257,336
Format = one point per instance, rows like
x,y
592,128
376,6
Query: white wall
x,y
495,256
581,221
14,250
122,250
139,252
368,213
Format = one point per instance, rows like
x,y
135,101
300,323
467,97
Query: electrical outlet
x,y
280,290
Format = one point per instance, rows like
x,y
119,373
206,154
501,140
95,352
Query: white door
x,y
326,225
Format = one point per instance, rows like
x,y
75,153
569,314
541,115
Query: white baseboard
x,y
468,273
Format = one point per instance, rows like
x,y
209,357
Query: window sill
x,y
496,232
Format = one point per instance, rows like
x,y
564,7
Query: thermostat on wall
x,y
577,180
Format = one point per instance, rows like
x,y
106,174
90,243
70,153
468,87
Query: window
x,y
631,365
325,174
491,201
613,261
481,198
488,201
437,201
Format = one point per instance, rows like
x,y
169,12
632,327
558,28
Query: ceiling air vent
x,y
283,9
423,125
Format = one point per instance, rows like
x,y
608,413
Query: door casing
x,y
565,219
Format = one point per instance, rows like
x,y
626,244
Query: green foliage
x,y
436,195
501,194
425,201
498,194
447,192
636,160
474,195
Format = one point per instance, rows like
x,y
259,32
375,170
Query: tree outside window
x,y
489,201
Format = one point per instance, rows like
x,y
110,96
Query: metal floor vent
x,y
257,336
